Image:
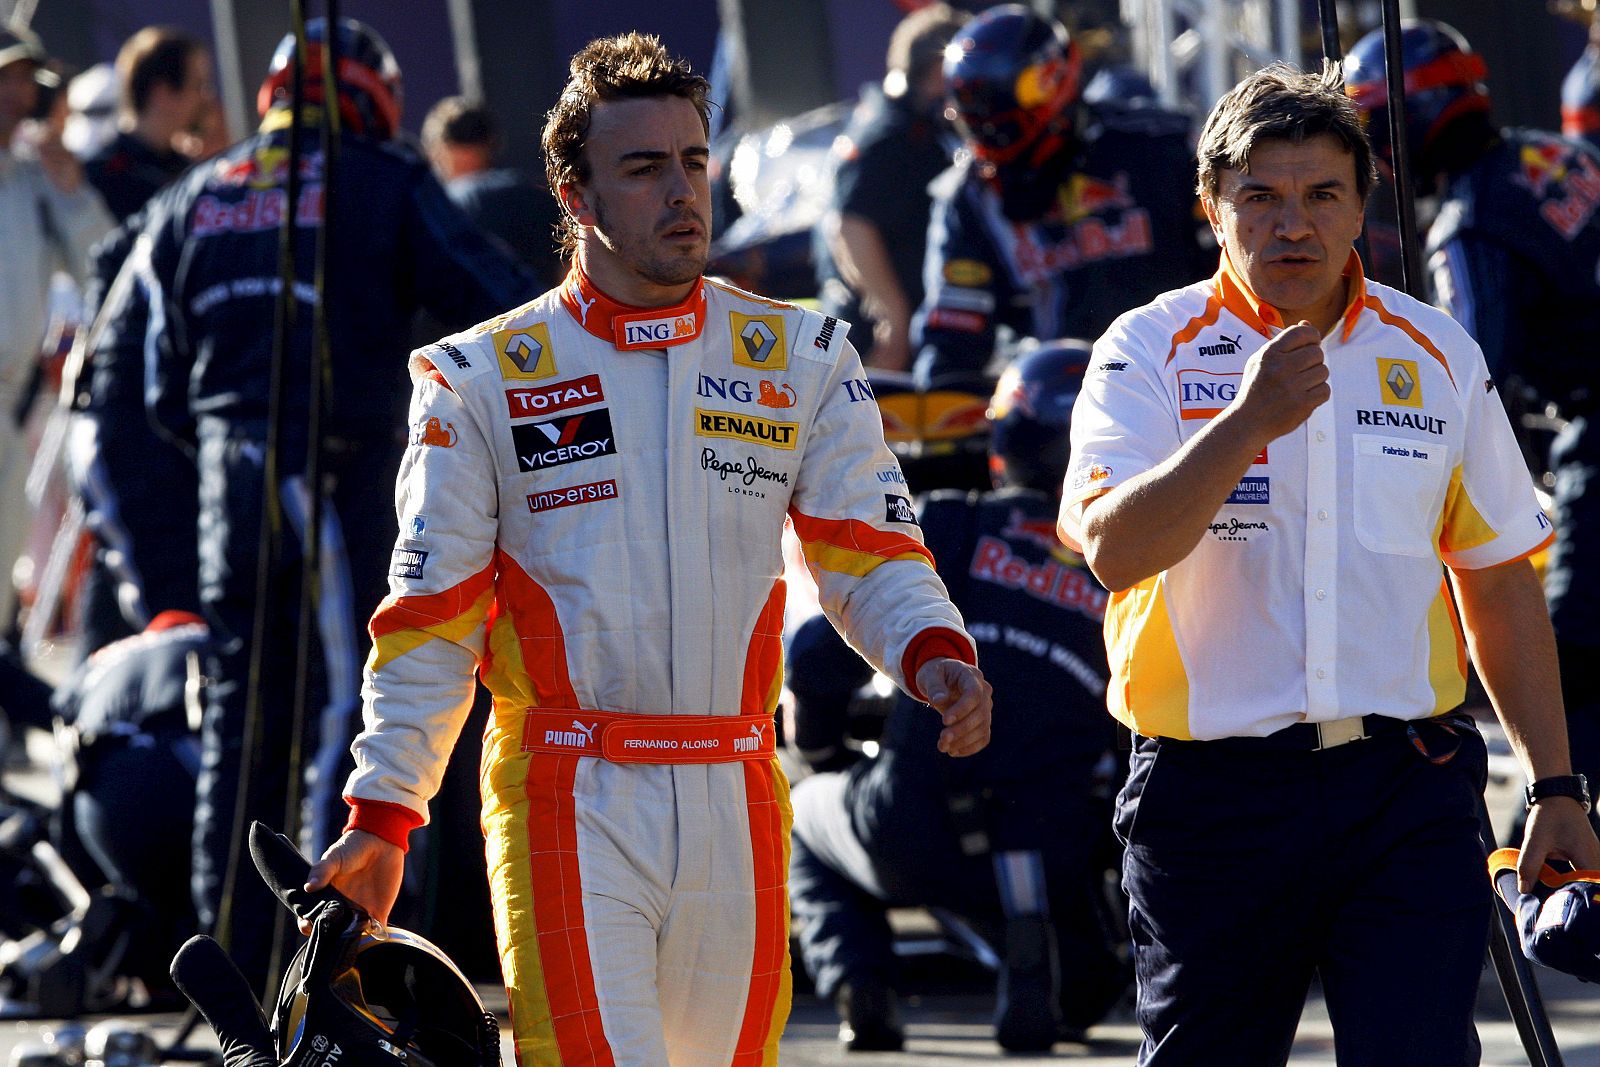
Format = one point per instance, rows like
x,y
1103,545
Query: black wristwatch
x,y
1575,786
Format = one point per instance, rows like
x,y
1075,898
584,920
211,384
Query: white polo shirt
x,y
1317,593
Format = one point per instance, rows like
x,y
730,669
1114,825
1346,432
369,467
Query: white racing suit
x,y
590,514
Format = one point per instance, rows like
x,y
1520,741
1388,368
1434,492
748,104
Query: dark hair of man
x,y
917,43
156,55
628,67
455,120
1279,102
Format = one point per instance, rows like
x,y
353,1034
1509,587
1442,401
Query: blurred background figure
x,y
463,144
1057,217
93,911
1580,91
870,244
165,78
209,275
1014,841
1511,255
138,488
49,218
92,103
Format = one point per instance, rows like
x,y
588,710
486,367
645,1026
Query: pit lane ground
x,y
950,1026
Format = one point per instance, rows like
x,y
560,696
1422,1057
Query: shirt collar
x,y
1262,317
632,328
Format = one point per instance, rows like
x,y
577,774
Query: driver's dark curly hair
x,y
626,67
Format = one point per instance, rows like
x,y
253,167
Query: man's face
x,y
648,198
197,91
1289,225
19,94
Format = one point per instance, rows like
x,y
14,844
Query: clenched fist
x,y
1284,382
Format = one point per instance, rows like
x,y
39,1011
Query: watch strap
x,y
1575,786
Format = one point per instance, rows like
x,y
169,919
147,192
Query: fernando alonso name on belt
x,y
547,399
752,428
570,439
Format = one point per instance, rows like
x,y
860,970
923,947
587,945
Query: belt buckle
x,y
1340,732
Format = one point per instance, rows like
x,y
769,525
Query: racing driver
x,y
590,516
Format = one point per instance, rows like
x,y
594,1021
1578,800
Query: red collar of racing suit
x,y
631,328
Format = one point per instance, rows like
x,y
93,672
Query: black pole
x,y
270,529
1328,20
1405,207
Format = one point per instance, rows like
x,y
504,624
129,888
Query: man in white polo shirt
x,y
1267,470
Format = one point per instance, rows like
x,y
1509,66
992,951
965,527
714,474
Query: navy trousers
x,y
1250,868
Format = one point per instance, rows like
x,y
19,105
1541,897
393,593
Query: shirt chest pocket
x,y
1399,486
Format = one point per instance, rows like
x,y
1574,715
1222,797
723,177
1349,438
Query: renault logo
x,y
758,340
524,351
1400,383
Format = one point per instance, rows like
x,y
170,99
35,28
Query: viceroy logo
x,y
1203,394
566,440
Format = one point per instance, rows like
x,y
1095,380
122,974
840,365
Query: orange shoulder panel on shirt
x,y
1193,327
1410,330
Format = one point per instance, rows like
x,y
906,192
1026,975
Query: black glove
x,y
214,985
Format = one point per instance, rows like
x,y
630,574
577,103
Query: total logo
x,y
545,399
553,442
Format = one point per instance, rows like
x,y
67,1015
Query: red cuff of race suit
x,y
936,642
392,822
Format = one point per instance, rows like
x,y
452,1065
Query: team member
x,y
49,218
1268,469
869,246
140,489
1580,91
207,270
590,514
1012,840
463,143
1511,256
166,86
1060,217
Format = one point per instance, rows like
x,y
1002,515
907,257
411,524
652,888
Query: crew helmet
x,y
1031,413
1010,76
1443,81
368,77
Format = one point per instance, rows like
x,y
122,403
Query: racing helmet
x,y
1443,81
368,77
1031,413
383,996
1010,77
